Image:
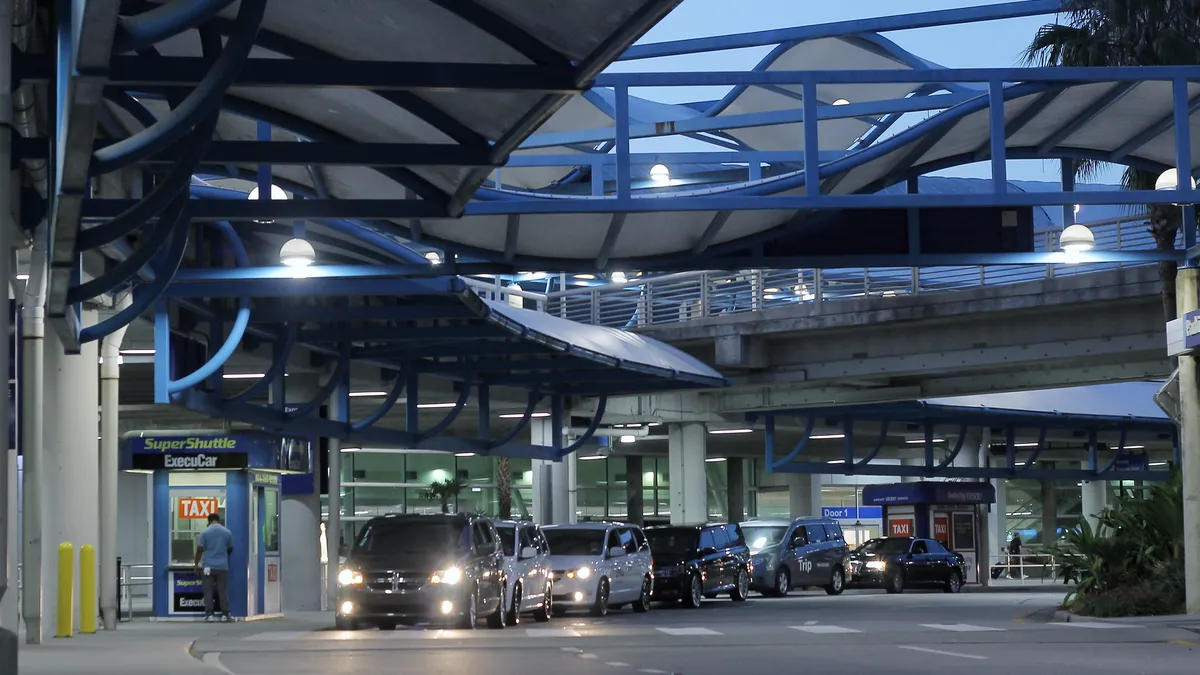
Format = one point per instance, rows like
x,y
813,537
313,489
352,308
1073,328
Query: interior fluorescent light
x,y
654,424
1135,447
593,457
1024,445
22,277
351,449
517,416
714,459
367,394
721,432
826,437
426,406
922,440
137,352
243,376
629,439
1158,463
837,461
464,454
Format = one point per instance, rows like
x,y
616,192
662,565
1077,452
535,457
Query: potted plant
x,y
445,491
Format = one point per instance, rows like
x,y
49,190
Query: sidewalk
x,y
145,648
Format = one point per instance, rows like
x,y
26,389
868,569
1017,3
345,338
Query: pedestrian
x,y
1014,557
213,549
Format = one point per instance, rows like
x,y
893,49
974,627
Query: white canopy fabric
x,y
1124,399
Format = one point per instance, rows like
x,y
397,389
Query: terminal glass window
x,y
271,521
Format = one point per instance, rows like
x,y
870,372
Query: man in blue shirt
x,y
213,549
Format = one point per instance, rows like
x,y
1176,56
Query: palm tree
x,y
445,491
503,488
1127,33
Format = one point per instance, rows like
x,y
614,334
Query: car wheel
x,y
642,604
695,592
600,606
543,614
345,623
514,612
741,587
953,583
895,583
470,617
837,584
499,618
783,582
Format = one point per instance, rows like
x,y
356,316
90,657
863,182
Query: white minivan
x,y
599,566
527,564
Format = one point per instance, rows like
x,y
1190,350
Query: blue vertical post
x,y
264,170
914,219
812,138
624,175
1067,169
556,422
412,420
928,446
162,352
339,411
483,396
996,133
1183,163
770,443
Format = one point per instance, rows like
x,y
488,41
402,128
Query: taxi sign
x,y
197,508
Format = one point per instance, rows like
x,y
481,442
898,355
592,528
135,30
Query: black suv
x,y
692,562
410,568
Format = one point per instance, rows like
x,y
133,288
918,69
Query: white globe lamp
x,y
1076,239
659,173
297,253
277,193
1169,180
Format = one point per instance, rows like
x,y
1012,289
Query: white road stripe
x,y
962,627
942,653
688,631
1095,624
551,632
616,664
824,630
587,656
651,670
213,660
810,623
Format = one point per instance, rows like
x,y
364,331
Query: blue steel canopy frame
x,y
931,418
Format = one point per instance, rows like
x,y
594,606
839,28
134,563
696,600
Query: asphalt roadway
x,y
860,631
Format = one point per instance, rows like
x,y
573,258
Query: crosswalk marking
x,y
688,631
551,632
824,629
927,650
962,627
1095,624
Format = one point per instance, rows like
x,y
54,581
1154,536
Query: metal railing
x,y
135,581
674,298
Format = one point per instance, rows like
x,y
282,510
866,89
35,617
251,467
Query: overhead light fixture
x,y
714,459
1025,445
367,394
659,173
464,454
723,432
137,352
1075,240
618,277
914,441
1135,447
22,277
242,376
841,101
629,439
428,406
297,254
277,194
654,424
836,461
1169,180
592,457
1158,463
517,416
434,257
826,437
585,277
771,290
351,449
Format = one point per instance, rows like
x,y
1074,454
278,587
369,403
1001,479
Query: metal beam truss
x,y
1105,459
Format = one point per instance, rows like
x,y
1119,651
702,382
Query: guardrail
x,y
655,300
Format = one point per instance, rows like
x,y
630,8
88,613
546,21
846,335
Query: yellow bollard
x,y
87,589
65,621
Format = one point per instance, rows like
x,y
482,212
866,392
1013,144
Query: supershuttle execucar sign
x,y
188,453
190,443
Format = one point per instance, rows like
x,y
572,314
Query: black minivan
x,y
692,562
415,568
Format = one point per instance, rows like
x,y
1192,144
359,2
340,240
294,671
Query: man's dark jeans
x,y
217,580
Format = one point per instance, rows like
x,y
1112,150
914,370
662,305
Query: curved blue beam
x,y
1041,445
168,188
534,399
130,105
1120,452
144,296
958,445
164,21
204,99
277,370
883,429
385,407
451,415
235,333
601,405
338,377
808,429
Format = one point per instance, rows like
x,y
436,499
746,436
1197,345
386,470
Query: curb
x,y
1062,616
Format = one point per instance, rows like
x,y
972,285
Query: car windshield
x,y
673,540
508,538
890,546
759,537
400,537
575,542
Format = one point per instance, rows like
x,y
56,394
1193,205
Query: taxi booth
x,y
240,476
951,512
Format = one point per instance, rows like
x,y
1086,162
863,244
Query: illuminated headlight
x,y
347,608
350,578
449,576
876,565
581,573
447,607
578,596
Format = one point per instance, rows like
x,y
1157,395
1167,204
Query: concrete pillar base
x,y
689,478
804,494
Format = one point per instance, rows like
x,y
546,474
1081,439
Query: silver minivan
x,y
599,566
527,565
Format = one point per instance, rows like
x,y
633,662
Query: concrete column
x,y
72,460
339,410
33,452
1049,511
110,441
633,489
804,494
10,611
916,461
554,496
686,451
300,523
735,468
998,520
1095,498
1187,301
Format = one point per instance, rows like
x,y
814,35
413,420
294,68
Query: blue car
x,y
801,553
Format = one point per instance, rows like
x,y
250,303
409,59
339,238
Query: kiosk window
x,y
271,521
188,521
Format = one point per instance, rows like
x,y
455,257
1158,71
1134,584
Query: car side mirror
x,y
910,555
616,552
528,552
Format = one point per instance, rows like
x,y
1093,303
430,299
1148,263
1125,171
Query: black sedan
x,y
896,563
692,562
